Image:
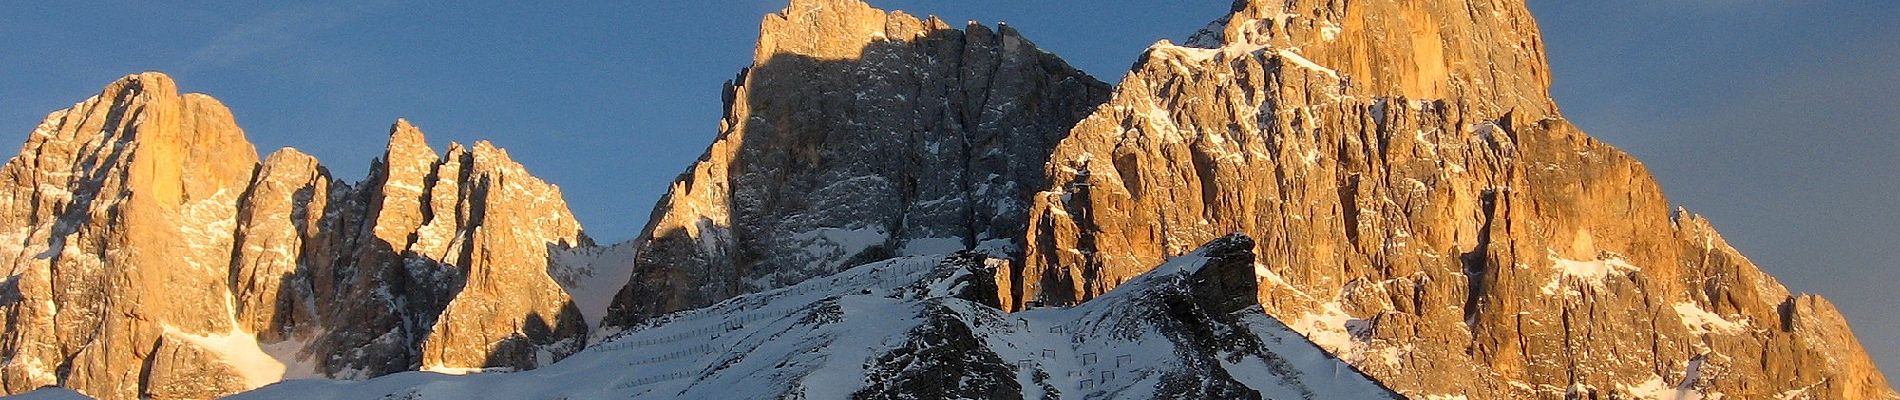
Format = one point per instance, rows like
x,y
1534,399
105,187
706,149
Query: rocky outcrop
x,y
1424,212
857,135
150,254
490,230
451,270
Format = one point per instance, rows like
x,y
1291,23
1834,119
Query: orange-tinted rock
x,y
150,254
1423,211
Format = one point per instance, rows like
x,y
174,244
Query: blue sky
x,y
1780,120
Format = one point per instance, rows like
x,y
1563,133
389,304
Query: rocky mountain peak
x,y
1417,50
406,142
115,206
829,29
138,197
856,135
1420,205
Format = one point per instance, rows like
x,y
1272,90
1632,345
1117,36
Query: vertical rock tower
x,y
857,134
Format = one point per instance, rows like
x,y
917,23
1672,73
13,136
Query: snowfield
x,y
916,324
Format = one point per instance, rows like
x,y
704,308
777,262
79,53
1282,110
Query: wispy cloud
x,y
266,33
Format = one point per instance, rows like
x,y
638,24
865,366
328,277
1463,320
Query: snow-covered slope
x,y
925,326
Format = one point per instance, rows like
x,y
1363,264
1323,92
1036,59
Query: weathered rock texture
x,y
857,135
1424,212
1421,209
150,254
114,208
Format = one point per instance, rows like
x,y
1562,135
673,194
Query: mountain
x,y
1421,202
151,254
1425,212
1307,199
857,135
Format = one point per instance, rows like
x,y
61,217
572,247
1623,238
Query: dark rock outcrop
x,y
857,135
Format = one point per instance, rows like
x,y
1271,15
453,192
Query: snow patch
x,y
1302,62
1332,329
1655,388
240,351
1703,322
446,370
1587,272
926,246
849,241
1329,31
592,276
287,352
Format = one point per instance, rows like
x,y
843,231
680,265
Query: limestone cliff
x,y
114,207
1424,212
857,135
1418,207
150,254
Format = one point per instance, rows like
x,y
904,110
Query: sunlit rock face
x,y
150,254
114,208
1424,212
1408,197
857,135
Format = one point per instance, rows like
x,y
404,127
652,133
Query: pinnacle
x,y
405,134
407,143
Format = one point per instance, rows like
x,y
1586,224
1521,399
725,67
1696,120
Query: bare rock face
x,y
1424,212
437,262
114,208
150,254
281,223
857,135
494,233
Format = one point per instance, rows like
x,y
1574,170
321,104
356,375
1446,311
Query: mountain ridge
x,y
1441,239
141,194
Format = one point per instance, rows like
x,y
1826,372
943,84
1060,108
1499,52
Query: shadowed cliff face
x,y
451,272
150,254
857,135
1423,211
